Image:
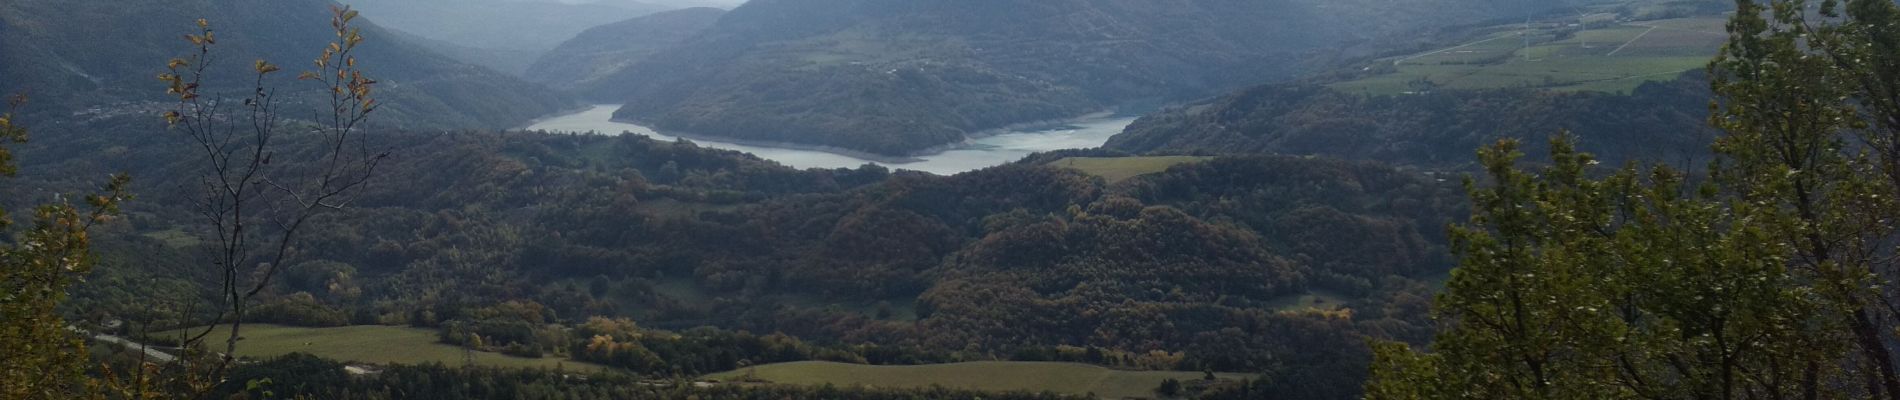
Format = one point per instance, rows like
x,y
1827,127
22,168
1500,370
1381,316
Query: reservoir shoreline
x,y
982,150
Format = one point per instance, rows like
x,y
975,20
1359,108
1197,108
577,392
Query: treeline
x,y
303,376
1437,129
89,60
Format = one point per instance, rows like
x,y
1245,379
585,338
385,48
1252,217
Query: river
x,y
1002,148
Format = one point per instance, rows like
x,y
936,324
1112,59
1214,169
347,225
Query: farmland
x,y
1589,53
998,376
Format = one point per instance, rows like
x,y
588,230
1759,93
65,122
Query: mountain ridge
x,y
896,77
70,55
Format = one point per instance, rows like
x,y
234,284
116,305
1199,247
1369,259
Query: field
x,y
376,345
997,376
1117,169
1609,56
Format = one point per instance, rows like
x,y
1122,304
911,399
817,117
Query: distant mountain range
x,y
71,54
503,34
899,77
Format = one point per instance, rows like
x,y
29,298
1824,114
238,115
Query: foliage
x,y
300,375
253,203
45,358
1763,281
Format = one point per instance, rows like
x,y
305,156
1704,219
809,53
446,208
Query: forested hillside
x,y
900,77
72,55
1658,121
605,50
1188,269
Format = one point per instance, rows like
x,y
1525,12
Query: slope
x,y
72,55
1657,121
605,50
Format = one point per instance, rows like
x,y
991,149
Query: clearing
x,y
1117,169
992,376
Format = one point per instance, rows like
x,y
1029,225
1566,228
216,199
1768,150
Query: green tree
x,y
1768,279
1169,388
41,356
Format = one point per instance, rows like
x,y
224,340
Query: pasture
x,y
374,345
1607,56
992,376
1117,169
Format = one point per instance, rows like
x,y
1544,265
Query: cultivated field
x,y
997,376
1610,56
1117,169
374,344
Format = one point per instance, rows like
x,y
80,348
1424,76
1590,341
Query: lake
x,y
980,153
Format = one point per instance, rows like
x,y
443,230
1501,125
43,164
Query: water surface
x,y
1003,148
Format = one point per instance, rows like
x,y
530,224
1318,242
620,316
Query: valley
x,y
950,199
989,149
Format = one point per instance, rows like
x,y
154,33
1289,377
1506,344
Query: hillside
x,y
1656,121
604,50
889,268
900,77
506,35
75,54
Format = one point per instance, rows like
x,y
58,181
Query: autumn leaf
x,y
266,67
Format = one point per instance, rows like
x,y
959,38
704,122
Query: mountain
x,y
899,77
1664,121
725,4
507,61
508,34
74,54
604,50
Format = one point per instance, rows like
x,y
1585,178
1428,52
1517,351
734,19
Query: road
x,y
150,353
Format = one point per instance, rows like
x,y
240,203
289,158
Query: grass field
x,y
997,376
1117,169
1616,57
376,345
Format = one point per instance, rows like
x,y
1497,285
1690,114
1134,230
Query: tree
x,y
44,358
1169,388
1768,279
256,200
